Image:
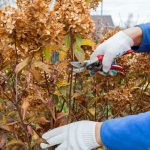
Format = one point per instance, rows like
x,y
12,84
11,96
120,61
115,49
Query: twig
x,y
15,87
71,75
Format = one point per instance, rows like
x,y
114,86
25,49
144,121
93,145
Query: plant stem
x,y
52,120
71,75
15,87
95,97
74,88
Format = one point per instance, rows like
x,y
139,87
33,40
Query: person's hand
x,y
81,135
114,47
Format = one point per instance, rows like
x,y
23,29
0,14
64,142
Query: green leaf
x,y
79,53
67,42
47,54
87,1
62,55
21,65
62,83
87,42
78,40
65,47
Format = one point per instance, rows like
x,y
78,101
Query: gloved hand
x,y
114,47
80,135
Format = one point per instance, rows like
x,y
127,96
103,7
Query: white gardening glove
x,y
75,136
114,47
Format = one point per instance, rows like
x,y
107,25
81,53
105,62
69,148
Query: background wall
x,y
121,9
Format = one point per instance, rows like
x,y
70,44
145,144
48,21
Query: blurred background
x,y
121,11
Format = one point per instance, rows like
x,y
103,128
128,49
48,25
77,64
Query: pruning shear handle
x,y
96,65
114,66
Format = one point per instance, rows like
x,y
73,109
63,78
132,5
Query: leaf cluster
x,y
38,89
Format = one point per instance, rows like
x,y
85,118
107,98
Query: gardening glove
x,y
114,47
75,136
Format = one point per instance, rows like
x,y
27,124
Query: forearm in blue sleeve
x,y
145,43
127,133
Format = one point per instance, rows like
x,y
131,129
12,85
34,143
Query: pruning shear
x,y
96,65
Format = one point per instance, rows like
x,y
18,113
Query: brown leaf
x,y
24,108
36,73
16,144
5,127
61,115
21,65
51,107
92,111
30,130
36,138
43,66
2,140
42,120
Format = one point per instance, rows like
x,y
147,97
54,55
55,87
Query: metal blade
x,y
79,70
78,64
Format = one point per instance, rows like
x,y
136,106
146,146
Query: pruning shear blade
x,y
78,67
78,64
79,70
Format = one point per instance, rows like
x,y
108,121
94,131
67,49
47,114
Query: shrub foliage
x,y
38,89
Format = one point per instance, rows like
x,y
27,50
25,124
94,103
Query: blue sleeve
x,y
127,133
145,44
